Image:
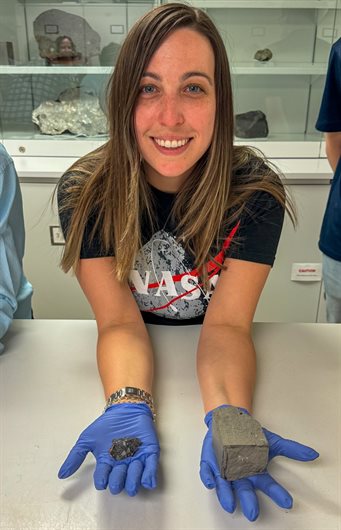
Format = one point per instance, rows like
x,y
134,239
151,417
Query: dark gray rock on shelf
x,y
252,124
239,443
263,55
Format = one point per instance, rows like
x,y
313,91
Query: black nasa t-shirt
x,y
164,280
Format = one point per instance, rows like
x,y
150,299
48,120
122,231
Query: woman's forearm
x,y
226,365
125,358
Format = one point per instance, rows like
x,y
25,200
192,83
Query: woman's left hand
x,y
244,490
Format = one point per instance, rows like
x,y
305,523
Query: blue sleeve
x,y
12,237
329,119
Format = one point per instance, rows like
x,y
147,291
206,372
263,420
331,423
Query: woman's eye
x,y
147,89
194,89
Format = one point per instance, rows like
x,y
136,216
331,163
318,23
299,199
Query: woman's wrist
x,y
134,395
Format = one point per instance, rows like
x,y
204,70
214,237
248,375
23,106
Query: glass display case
x,y
278,51
56,58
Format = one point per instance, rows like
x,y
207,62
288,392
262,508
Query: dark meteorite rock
x,y
239,443
263,55
251,124
124,447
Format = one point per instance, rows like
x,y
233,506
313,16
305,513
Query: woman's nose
x,y
171,112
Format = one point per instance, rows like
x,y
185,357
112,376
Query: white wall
x,y
284,300
58,295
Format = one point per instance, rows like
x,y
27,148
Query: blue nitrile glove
x,y
244,490
125,420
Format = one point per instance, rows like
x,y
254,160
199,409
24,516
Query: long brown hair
x,y
110,182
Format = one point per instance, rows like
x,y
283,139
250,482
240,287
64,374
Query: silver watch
x,y
130,391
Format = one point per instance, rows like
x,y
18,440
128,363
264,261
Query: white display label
x,y
306,272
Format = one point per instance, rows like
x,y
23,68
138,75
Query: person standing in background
x,y
329,122
15,289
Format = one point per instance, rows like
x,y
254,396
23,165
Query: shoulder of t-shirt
x,y
262,207
261,201
64,183
64,210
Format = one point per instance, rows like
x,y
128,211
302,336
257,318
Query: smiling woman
x,y
175,110
170,223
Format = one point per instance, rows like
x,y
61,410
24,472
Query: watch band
x,y
133,393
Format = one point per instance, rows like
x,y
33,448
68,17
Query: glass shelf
x,y
266,4
278,69
252,68
287,88
33,70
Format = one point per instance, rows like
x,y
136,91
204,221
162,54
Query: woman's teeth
x,y
171,144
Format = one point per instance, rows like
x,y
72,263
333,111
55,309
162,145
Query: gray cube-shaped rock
x,y
239,443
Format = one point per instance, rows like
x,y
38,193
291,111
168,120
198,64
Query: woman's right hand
x,y
124,420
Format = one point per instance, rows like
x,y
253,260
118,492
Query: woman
x,y
170,223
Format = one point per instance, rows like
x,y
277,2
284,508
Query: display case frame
x,y
273,87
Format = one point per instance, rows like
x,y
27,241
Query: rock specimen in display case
x,y
82,116
109,54
252,124
263,55
85,41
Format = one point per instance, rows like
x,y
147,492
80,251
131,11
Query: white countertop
x,y
50,391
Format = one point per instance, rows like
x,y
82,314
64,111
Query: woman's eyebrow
x,y
153,76
184,77
196,73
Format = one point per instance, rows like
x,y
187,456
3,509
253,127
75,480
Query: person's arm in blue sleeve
x,y
333,148
329,118
12,236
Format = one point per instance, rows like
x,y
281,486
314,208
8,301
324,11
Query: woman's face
x,y
65,47
175,110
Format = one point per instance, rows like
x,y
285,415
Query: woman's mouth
x,y
171,145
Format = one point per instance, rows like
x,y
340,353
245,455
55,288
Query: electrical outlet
x,y
56,235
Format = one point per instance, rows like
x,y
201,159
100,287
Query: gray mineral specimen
x,y
263,55
239,443
82,116
251,124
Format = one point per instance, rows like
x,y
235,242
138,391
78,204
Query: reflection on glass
x,y
60,52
